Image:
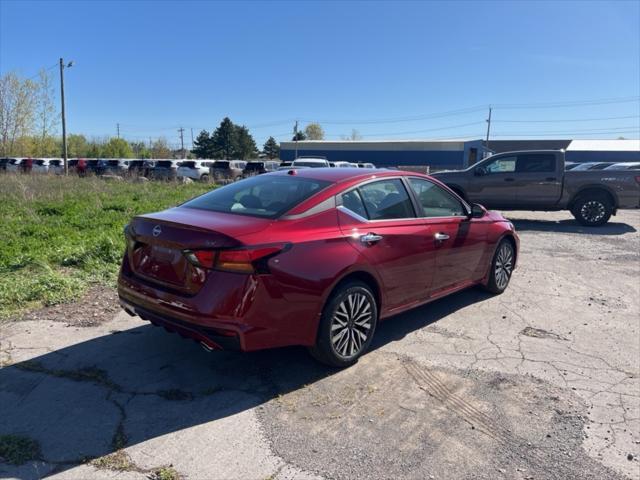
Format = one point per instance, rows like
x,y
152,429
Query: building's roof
x,y
377,145
499,146
605,145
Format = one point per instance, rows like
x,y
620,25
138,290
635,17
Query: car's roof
x,y
336,175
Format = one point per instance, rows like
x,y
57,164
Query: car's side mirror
x,y
478,211
479,171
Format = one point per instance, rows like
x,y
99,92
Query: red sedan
x,y
313,257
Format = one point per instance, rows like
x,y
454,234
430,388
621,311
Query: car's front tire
x,y
347,325
592,210
501,267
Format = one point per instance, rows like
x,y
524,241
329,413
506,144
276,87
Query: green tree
x,y
117,148
160,149
140,150
314,131
244,144
202,145
271,148
223,140
299,136
77,146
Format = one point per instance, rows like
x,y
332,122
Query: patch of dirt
x,y
392,417
97,306
540,333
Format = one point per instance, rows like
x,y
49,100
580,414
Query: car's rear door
x,y
378,218
459,241
538,179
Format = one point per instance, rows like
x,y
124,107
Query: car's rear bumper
x,y
245,312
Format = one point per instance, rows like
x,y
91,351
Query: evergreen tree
x,y
244,144
202,145
271,148
299,136
223,140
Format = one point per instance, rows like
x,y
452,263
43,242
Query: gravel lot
x,y
542,382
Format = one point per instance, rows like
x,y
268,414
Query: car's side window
x,y
386,199
353,201
436,201
501,165
536,162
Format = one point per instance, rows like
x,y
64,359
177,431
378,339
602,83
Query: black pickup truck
x,y
537,180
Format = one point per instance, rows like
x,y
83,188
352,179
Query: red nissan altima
x,y
314,257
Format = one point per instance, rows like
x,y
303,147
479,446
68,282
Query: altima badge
x,y
156,230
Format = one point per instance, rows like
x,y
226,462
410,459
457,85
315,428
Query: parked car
x,y
3,164
312,162
342,165
227,170
258,168
140,167
56,166
315,258
591,166
285,164
624,166
115,166
94,166
195,169
537,180
41,165
165,169
366,165
19,164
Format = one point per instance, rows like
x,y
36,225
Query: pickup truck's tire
x,y
592,210
501,267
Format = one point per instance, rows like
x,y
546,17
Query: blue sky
x,y
382,68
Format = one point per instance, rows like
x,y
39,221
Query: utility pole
x,y
295,137
118,128
181,130
64,121
486,143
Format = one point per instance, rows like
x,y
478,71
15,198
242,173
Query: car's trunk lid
x,y
157,242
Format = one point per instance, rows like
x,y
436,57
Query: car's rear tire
x,y
501,267
347,325
592,210
204,178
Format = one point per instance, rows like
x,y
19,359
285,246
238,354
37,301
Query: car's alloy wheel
x,y
503,266
351,324
347,325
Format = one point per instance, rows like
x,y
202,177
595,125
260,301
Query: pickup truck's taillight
x,y
238,260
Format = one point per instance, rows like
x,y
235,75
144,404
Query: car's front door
x,y
459,241
378,218
494,184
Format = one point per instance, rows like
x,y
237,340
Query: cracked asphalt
x,y
540,382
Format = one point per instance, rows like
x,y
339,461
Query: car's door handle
x,y
370,238
441,237
509,179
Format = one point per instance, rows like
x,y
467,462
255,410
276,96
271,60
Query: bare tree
x,y
17,111
46,114
355,135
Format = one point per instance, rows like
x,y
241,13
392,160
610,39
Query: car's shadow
x,y
570,226
88,399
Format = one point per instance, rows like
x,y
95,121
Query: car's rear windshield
x,y
136,163
263,196
113,163
254,166
188,164
164,164
220,164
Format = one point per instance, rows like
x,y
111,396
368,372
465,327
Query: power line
x,y
567,120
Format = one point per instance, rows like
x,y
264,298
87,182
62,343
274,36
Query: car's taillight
x,y
239,260
129,238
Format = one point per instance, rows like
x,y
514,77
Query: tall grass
x,y
58,235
